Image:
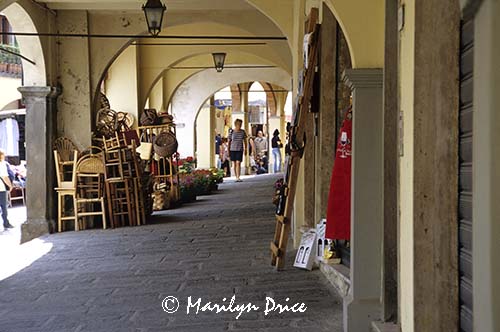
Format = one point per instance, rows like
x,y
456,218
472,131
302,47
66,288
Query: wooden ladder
x,y
296,143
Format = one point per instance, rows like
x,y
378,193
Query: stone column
x,y
363,303
40,128
435,166
245,165
391,160
325,147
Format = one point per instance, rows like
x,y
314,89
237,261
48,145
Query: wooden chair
x,y
119,182
17,193
117,158
65,147
65,188
114,143
89,200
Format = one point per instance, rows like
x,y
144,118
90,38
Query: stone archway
x,y
31,47
192,93
271,97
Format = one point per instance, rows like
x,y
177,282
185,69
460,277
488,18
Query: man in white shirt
x,y
5,187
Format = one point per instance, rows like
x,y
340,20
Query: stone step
x,y
338,276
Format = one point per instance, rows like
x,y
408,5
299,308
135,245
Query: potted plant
x,y
186,165
187,188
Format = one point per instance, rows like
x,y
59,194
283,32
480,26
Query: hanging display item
x,y
338,226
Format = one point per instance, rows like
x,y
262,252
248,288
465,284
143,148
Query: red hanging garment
x,y
338,216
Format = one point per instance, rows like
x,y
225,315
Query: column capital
x,y
39,93
364,78
35,91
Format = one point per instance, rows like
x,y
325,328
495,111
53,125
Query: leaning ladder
x,y
296,133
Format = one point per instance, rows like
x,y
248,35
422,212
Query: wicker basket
x,y
149,117
165,144
165,118
106,122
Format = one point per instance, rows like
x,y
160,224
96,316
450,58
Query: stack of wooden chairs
x,y
122,177
99,182
80,179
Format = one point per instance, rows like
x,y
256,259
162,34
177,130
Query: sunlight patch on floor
x,y
20,257
15,256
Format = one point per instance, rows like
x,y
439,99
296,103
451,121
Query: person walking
x,y
260,144
5,187
237,147
276,146
218,143
224,157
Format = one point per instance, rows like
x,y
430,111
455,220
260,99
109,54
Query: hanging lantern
x,y
219,59
154,10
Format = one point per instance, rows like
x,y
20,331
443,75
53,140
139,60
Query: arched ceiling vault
x,y
221,22
362,22
173,78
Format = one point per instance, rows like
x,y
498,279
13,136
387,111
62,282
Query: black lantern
x,y
153,10
219,59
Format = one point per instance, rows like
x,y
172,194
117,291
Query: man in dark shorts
x,y
237,147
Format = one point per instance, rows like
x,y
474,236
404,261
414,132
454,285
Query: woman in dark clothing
x,y
276,145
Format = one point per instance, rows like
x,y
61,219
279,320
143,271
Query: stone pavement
x,y
116,280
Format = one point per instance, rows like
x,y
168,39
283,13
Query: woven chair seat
x,y
90,164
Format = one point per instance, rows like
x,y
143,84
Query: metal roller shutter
x,y
465,175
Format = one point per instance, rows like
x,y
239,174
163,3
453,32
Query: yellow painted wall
x,y
406,168
363,23
156,96
9,86
121,85
281,12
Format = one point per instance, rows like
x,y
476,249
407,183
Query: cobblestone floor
x,y
115,280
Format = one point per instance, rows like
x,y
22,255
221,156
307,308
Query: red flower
x,y
189,159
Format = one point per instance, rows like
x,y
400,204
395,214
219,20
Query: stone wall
x,y
74,105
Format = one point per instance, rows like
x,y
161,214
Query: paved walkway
x,y
116,280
